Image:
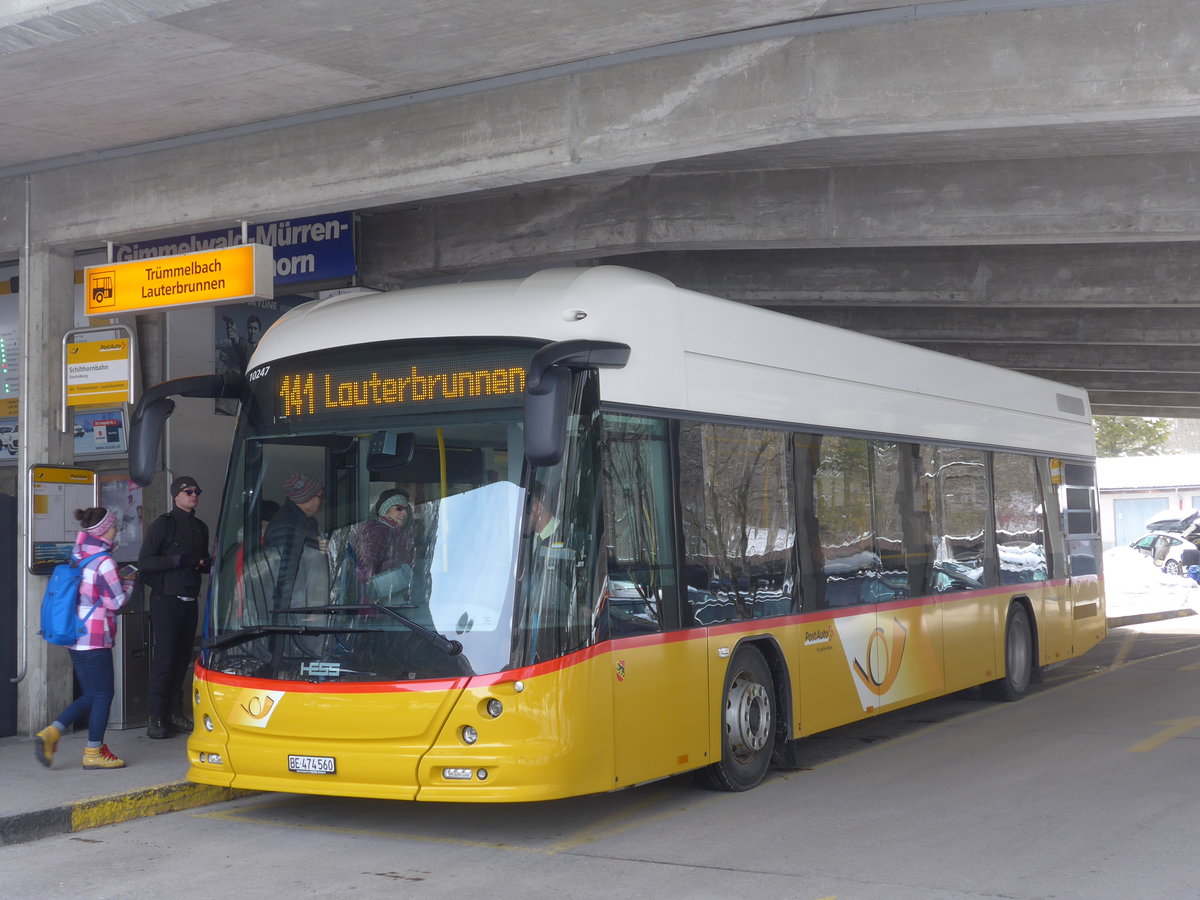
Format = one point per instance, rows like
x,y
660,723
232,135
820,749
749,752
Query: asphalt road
x,y
1084,789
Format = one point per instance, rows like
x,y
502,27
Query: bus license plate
x,y
312,765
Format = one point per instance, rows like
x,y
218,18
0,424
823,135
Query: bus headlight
x,y
208,725
494,708
469,735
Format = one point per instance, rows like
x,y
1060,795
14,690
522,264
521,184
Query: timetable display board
x,y
55,492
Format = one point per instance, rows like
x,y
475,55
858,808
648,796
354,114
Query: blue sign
x,y
316,248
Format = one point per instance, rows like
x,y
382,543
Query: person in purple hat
x,y
294,533
174,555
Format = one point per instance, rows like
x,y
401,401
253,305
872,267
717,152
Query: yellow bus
x,y
631,531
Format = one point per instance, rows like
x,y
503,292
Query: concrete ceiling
x,y
1017,186
82,76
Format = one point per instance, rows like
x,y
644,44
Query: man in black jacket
x,y
174,556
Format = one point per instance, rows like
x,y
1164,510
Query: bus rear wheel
x,y
1018,657
747,725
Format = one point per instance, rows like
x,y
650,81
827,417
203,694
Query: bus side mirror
x,y
548,392
546,418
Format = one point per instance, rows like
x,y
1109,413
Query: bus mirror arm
x,y
577,354
153,409
547,391
145,430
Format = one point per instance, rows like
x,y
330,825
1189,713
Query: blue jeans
x,y
94,669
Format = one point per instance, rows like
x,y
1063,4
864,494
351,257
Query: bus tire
x,y
1018,657
747,725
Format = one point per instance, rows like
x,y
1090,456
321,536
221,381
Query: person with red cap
x,y
294,533
101,593
174,555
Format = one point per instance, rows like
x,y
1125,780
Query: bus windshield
x,y
378,515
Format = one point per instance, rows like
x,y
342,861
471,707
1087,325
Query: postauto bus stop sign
x,y
244,272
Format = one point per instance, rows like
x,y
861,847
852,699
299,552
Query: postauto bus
x,y
650,532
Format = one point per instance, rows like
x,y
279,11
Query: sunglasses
x,y
192,492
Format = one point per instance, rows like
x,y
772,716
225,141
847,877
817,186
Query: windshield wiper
x,y
250,633
451,648
446,645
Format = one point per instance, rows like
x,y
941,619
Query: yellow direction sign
x,y
245,272
98,372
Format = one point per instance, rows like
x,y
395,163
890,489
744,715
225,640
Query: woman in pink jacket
x,y
92,655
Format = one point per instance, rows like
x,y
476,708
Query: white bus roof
x,y
701,354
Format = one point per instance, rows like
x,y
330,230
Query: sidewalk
x,y
36,802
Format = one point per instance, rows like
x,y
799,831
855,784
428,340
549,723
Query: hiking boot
x,y
180,723
157,729
45,743
101,758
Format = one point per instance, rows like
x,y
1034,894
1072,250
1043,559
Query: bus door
x,y
872,634
1081,522
659,669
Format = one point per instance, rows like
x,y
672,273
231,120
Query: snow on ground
x,y
1134,585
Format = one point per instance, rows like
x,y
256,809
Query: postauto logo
x,y
874,655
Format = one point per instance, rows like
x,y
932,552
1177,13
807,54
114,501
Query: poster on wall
x,y
100,431
55,493
238,327
124,498
10,439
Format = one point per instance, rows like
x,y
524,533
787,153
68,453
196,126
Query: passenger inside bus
x,y
303,567
386,549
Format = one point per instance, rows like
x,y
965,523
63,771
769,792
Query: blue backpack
x,y
61,624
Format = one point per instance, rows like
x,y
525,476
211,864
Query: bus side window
x,y
641,594
846,560
738,522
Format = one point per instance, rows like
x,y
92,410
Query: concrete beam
x,y
1162,412
1164,400
1123,199
1178,362
944,80
1100,328
1097,381
1027,276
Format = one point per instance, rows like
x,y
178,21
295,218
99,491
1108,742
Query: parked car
x,y
1165,549
1185,522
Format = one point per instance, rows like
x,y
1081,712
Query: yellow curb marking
x,y
148,802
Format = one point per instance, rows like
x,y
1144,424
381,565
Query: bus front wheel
x,y
747,725
1018,657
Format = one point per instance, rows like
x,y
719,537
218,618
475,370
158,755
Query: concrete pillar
x,y
47,312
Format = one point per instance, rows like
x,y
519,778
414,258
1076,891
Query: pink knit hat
x,y
103,525
301,487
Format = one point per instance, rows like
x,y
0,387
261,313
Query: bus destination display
x,y
437,383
